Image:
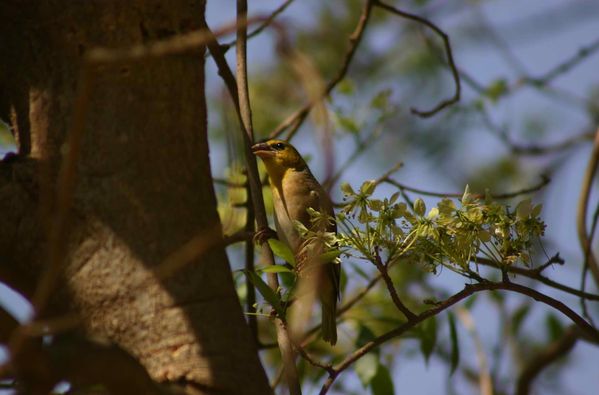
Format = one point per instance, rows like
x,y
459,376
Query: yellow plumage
x,y
294,190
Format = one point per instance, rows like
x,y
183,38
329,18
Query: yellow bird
x,y
294,191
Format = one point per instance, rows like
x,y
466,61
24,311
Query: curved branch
x,y
581,215
469,289
454,71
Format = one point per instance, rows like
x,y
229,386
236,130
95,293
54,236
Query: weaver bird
x,y
294,192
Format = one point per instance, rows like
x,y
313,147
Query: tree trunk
x,y
143,190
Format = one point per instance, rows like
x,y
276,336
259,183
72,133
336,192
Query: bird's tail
x,y
329,319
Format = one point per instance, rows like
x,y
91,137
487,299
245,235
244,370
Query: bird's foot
x,y
262,235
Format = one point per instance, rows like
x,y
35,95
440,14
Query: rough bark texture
x,y
144,187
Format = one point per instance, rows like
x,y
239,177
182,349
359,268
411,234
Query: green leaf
x,y
419,207
348,124
330,255
381,100
428,337
382,382
518,318
276,269
554,327
267,293
455,344
282,250
536,211
346,87
347,189
366,368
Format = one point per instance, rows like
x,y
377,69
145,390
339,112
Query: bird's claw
x,y
263,234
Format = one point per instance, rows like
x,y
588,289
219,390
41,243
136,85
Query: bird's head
x,y
278,156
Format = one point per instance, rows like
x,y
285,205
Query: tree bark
x,y
144,188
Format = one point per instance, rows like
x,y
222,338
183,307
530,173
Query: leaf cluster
x,y
452,234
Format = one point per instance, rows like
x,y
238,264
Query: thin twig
x,y
507,195
565,66
454,71
382,268
536,275
304,354
296,119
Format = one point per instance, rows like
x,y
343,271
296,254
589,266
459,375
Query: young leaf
x,y
524,209
366,368
382,382
347,189
455,344
282,250
267,293
368,187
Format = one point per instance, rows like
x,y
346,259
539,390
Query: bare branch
x,y
454,71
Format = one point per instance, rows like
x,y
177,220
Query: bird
x,y
295,191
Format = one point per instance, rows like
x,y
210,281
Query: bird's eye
x,y
278,146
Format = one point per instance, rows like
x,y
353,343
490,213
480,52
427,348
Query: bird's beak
x,y
263,150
